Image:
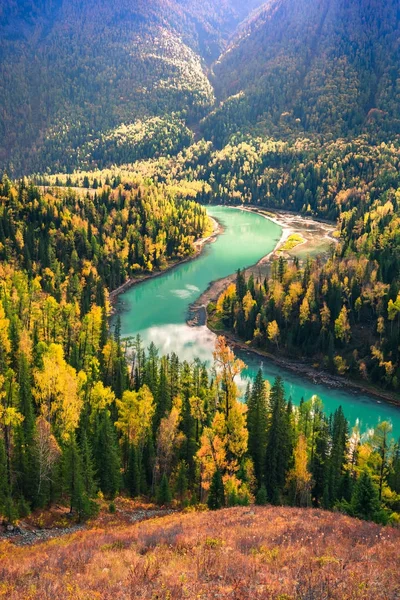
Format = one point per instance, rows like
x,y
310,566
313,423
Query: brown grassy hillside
x,y
257,553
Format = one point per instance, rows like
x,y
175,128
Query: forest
x,y
315,179
77,245
76,73
84,412
344,313
121,125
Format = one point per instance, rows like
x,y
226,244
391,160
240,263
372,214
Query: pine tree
x,y
133,473
338,454
24,459
257,423
106,456
88,468
164,495
182,481
5,492
365,499
261,497
279,446
163,396
319,463
73,480
216,496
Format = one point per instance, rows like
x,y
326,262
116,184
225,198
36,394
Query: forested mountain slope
x,y
73,70
328,67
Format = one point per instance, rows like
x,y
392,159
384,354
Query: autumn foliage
x,y
241,553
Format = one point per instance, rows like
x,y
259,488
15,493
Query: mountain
x,y
327,67
88,83
72,70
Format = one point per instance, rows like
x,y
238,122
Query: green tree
x,y
106,456
279,444
216,496
365,499
133,473
257,424
164,495
79,501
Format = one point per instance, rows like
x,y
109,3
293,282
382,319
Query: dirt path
x,y
23,535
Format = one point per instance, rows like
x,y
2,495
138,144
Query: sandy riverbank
x,y
198,248
317,239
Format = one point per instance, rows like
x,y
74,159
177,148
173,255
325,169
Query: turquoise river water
x,y
157,309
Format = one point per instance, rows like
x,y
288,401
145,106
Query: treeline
x,y
305,176
345,314
76,245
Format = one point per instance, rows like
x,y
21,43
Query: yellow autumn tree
x,y
229,293
57,391
169,438
4,325
100,398
248,303
299,479
135,415
342,326
273,333
228,368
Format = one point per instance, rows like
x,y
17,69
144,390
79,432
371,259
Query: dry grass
x,y
241,553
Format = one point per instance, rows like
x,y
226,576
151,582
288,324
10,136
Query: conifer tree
x,y
106,455
319,463
24,460
182,481
279,447
74,482
164,495
88,468
216,496
337,458
257,424
6,502
133,473
365,499
261,497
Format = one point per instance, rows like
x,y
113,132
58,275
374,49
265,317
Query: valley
x,y
159,310
199,299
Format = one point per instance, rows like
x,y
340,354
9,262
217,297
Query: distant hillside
x,y
257,553
73,70
328,67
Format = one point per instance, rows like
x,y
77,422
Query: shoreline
x,y
198,315
198,245
290,223
307,371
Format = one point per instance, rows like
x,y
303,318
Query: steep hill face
x,y
328,67
260,553
71,70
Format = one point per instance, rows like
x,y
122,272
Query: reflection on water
x,y
187,342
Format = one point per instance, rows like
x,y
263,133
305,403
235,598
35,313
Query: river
x,y
157,309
